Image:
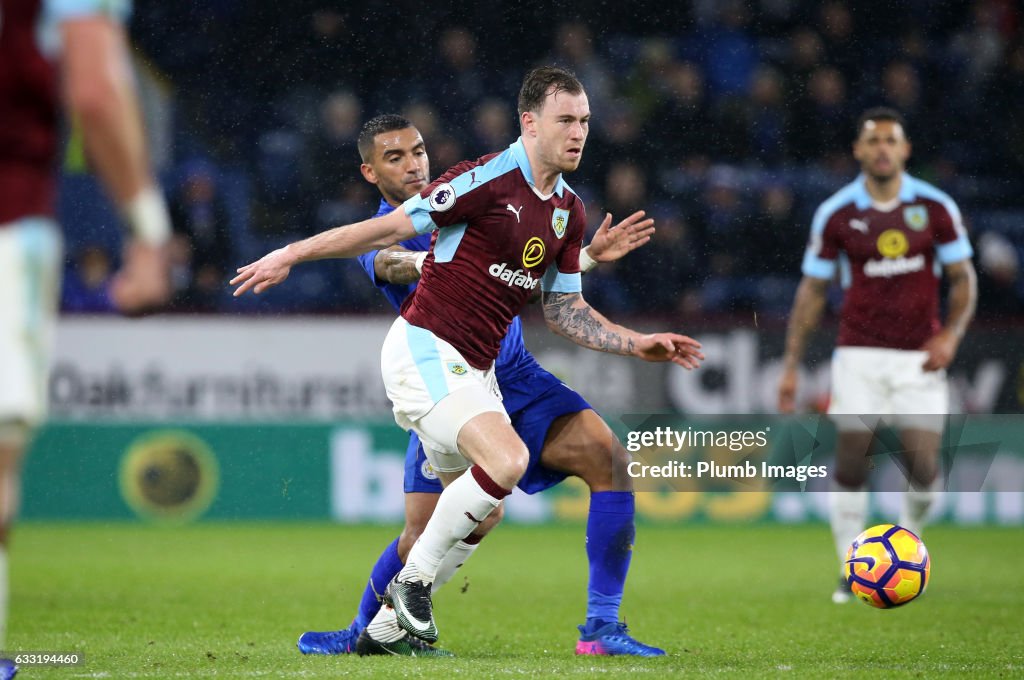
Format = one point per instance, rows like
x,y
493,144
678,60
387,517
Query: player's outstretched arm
x,y
963,297
340,242
569,315
803,319
611,243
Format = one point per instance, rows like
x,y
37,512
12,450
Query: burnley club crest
x,y
916,217
559,221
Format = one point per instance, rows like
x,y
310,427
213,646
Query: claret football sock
x,y
848,508
610,535
464,504
388,564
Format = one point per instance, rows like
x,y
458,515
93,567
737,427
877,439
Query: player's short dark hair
x,y
387,122
878,114
545,80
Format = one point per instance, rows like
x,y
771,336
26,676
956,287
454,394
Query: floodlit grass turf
x,y
229,600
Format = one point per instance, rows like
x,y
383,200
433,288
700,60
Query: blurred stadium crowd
x,y
728,121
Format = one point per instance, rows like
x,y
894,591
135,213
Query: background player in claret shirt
x,y
507,223
563,433
96,79
895,231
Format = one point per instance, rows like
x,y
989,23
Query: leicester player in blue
x,y
563,433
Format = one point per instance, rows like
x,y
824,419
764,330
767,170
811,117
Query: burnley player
x,y
891,355
562,432
507,224
86,39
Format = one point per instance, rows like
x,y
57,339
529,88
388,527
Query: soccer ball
x,y
887,566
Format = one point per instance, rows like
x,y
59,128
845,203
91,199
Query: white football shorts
x,y
874,383
434,391
31,255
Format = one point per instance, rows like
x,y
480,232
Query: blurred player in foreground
x,y
507,223
85,38
892,352
561,430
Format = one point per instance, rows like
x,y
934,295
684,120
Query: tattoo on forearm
x,y
397,266
568,314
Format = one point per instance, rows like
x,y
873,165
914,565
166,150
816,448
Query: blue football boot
x,y
331,642
612,639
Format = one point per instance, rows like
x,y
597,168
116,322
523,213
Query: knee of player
x,y
517,461
924,475
509,466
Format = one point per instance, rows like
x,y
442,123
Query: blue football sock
x,y
610,534
388,565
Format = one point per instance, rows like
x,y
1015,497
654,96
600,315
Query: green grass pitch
x,y
229,601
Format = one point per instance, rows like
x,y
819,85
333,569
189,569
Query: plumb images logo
x,y
169,475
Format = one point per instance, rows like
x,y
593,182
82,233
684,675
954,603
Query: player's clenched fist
x,y
269,270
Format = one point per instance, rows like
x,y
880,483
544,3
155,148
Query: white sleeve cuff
x,y
146,215
586,262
